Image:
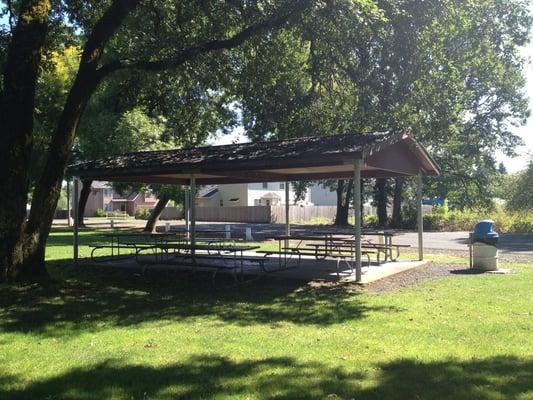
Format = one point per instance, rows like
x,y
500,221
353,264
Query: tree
x,y
344,192
408,66
380,200
17,101
152,112
23,248
397,216
165,193
520,191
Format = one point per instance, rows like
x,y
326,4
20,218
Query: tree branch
x,y
274,22
102,31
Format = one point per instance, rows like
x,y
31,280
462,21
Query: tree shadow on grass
x,y
90,298
283,378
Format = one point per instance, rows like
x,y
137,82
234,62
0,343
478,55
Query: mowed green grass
x,y
102,334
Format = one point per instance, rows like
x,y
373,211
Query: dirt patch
x,y
413,277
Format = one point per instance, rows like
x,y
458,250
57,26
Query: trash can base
x,y
485,257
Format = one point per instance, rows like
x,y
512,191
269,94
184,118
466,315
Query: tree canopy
x,y
450,71
520,190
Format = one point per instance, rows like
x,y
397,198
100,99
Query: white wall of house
x,y
260,193
232,195
322,195
250,194
212,201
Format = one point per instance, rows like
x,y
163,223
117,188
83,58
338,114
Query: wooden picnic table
x,y
385,248
130,240
327,248
195,259
285,253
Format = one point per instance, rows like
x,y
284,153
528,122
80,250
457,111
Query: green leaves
x,y
520,190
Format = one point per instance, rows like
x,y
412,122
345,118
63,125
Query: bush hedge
x,y
142,213
442,219
455,220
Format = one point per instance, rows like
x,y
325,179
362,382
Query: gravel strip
x,y
505,257
413,277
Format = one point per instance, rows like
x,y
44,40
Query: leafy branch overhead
x,y
290,11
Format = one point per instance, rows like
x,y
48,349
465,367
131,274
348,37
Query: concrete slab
x,y
377,272
308,269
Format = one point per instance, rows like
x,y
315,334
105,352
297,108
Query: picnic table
x,y
386,248
326,248
284,252
132,241
385,245
206,256
199,231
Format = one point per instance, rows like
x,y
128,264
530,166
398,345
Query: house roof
x,y
271,195
207,191
310,158
100,185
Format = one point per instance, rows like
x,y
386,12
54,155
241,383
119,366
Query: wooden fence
x,y
255,214
302,214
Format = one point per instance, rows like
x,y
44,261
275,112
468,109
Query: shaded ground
x,y
207,376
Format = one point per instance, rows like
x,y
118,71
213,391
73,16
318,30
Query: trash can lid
x,y
484,227
486,235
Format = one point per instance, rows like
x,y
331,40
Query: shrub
x,y
456,220
370,221
142,213
99,213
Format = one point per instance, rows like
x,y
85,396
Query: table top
x,y
215,247
155,234
363,233
184,230
379,233
298,237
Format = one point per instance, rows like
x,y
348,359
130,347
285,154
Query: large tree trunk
x,y
82,202
381,201
156,213
344,194
397,218
48,189
16,126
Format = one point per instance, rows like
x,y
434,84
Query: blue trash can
x,y
484,233
483,246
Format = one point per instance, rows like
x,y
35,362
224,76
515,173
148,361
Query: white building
x,y
260,194
322,195
264,194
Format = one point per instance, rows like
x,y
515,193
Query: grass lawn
x,y
101,334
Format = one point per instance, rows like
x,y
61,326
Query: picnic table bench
x,y
130,241
327,248
198,256
385,248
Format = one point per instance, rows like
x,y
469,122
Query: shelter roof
x,y
308,158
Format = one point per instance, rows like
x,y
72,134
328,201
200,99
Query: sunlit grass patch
x,y
100,333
